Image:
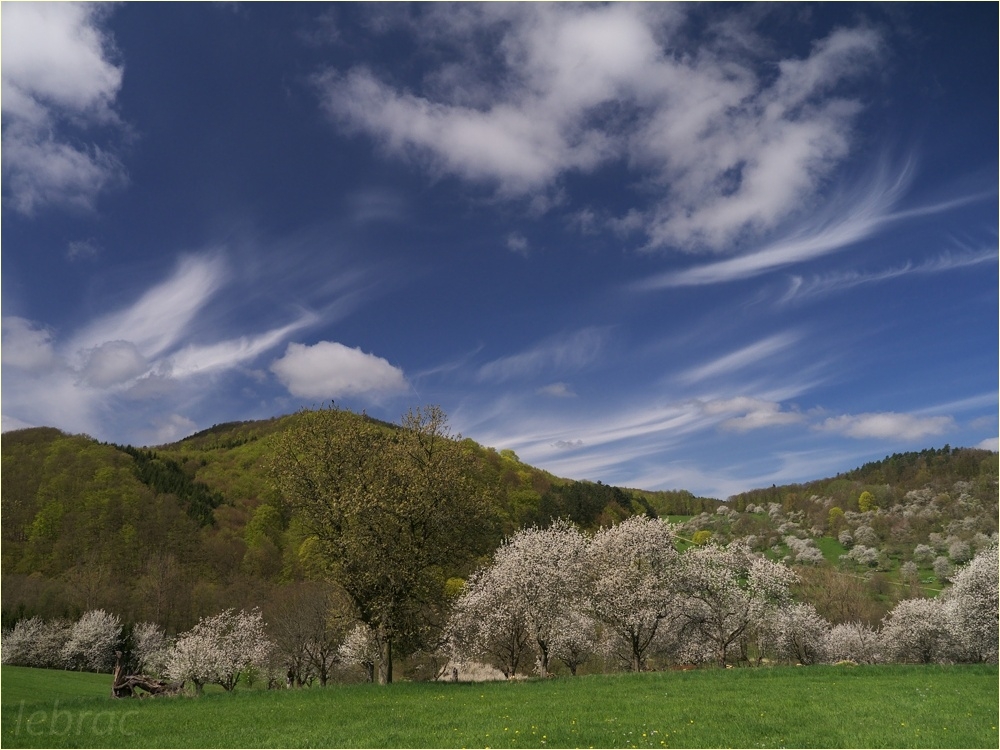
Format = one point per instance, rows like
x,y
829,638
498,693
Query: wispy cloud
x,y
741,358
556,390
821,285
151,351
753,413
557,354
161,316
842,224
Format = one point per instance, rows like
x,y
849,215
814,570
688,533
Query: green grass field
x,y
897,706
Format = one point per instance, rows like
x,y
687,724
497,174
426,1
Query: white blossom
x,y
150,648
92,641
918,630
220,648
972,603
801,634
726,592
574,639
360,647
853,641
36,643
942,568
634,568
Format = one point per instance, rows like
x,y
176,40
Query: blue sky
x,y
710,247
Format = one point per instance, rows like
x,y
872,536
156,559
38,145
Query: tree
x,y
633,570
92,642
391,511
308,621
972,606
540,575
853,641
36,643
574,639
218,649
488,625
801,634
918,630
866,501
835,520
725,591
360,647
150,647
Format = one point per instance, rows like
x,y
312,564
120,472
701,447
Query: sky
x,y
708,247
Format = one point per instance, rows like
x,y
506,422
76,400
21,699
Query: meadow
x,y
819,706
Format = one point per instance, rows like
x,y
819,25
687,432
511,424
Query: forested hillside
x,y
180,531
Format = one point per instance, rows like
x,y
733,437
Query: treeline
x,y
888,480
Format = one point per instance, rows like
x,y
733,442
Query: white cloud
x,y
329,370
192,359
756,413
161,316
155,353
169,429
845,221
82,249
731,150
836,282
740,359
570,352
113,362
517,243
26,346
989,444
887,425
556,390
377,205
58,79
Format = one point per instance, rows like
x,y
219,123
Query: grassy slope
x,y
899,706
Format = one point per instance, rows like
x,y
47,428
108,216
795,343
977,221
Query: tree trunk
x,y
385,663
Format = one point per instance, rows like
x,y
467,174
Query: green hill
x,y
177,531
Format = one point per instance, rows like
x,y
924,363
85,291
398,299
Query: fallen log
x,y
126,685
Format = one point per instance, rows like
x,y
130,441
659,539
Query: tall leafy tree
x,y
390,510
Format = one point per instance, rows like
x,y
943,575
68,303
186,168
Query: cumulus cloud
x,y
330,370
732,142
59,80
989,444
887,425
113,362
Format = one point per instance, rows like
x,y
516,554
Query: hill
x,y
181,530
174,532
